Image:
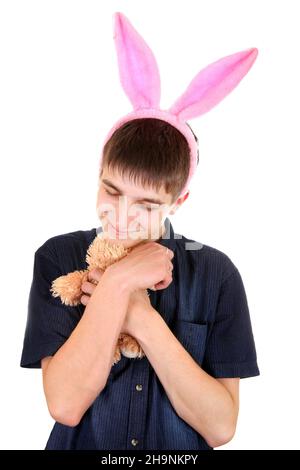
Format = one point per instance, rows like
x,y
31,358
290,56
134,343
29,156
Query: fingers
x,y
167,281
84,299
168,278
95,274
170,253
88,287
163,284
170,266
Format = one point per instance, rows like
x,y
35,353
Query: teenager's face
x,y
130,213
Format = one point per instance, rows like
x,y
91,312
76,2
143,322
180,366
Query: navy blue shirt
x,y
206,308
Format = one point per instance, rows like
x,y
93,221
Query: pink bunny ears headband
x,y
140,79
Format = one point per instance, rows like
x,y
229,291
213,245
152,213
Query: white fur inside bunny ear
x,y
138,69
213,83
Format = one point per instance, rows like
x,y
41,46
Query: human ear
x,y
179,202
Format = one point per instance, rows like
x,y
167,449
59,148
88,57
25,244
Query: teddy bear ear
x,y
138,69
213,83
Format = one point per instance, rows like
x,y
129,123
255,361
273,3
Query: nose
x,y
120,216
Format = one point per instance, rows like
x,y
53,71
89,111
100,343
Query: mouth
x,y
121,232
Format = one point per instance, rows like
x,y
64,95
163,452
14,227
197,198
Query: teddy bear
x,y
101,253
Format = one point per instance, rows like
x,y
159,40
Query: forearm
x,y
198,398
78,371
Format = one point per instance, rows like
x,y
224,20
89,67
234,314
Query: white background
x,y
60,94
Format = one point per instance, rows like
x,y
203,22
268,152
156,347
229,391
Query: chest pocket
x,y
192,336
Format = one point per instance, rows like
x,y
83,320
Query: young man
x,y
194,329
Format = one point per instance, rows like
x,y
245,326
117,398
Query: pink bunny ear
x,y
213,83
139,74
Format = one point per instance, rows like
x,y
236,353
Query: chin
x,y
127,241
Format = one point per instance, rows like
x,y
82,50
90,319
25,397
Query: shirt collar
x,y
168,239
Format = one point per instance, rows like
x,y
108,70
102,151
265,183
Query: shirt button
x,y
139,387
134,442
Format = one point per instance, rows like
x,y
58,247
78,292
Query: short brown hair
x,y
150,151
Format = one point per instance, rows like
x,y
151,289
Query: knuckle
x,y
154,246
97,273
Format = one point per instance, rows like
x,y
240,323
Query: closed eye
x,y
148,208
111,194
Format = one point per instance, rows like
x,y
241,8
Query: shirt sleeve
x,y
230,348
49,321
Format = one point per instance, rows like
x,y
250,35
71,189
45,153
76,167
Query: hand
x,y
147,265
89,286
138,306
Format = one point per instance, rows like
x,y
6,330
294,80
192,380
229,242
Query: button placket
x,y
138,403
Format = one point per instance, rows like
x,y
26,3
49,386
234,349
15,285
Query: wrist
x,y
116,277
144,327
